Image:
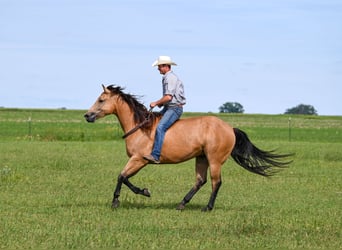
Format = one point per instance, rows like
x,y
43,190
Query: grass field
x,y
57,175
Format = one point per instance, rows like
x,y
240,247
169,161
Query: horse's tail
x,y
254,159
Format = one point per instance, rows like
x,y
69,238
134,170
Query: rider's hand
x,y
153,104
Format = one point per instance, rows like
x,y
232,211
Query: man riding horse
x,y
172,102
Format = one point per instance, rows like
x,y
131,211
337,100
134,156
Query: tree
x,y
302,109
231,107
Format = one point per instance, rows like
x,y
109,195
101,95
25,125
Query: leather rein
x,y
139,125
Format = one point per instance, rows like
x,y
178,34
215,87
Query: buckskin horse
x,y
207,138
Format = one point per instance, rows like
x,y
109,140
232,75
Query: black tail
x,y
254,159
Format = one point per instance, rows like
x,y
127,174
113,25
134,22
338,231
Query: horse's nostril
x,y
90,116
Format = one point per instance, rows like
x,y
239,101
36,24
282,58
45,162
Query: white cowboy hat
x,y
163,60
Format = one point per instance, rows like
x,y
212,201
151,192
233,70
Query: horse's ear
x,y
105,89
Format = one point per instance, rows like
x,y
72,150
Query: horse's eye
x,y
101,100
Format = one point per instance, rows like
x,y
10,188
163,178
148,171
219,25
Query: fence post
x,y
29,127
289,128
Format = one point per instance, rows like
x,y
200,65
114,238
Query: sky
x,y
267,55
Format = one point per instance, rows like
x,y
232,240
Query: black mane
x,y
139,110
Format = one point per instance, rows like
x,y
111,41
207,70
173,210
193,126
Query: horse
x,y
207,138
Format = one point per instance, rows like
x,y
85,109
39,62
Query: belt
x,y
176,105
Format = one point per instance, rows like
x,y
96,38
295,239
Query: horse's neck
x,y
125,117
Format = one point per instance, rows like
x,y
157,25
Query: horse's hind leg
x,y
201,179
215,173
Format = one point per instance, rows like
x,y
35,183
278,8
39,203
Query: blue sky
x,y
267,55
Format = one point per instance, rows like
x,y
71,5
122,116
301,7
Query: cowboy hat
x,y
163,60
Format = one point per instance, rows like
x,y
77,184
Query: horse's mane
x,y
139,110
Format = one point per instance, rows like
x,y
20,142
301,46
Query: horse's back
x,y
204,123
194,136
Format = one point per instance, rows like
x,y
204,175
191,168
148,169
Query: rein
x,y
139,125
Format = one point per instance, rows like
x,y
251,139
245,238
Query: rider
x,y
172,102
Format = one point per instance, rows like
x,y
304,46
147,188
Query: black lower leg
x,y
189,195
116,202
135,189
212,199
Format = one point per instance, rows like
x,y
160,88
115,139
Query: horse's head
x,y
102,107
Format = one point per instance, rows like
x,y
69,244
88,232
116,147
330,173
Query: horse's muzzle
x,y
90,116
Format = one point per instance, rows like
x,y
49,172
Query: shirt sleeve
x,y
171,85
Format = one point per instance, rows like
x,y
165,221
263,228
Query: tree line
x,y
235,107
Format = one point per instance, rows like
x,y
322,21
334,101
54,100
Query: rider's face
x,y
163,68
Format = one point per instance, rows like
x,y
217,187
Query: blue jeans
x,y
170,116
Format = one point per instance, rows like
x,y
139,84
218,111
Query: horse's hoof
x,y
115,204
206,209
180,207
146,192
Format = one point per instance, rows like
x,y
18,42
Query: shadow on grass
x,y
162,205
127,205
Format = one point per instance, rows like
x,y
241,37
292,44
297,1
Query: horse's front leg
x,y
116,202
135,189
132,167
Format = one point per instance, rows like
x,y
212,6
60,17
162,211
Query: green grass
x,y
55,125
56,189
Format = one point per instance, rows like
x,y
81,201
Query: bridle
x,y
139,125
